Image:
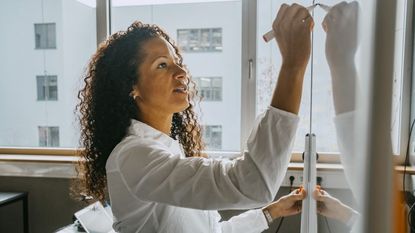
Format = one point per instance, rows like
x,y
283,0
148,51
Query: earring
x,y
133,95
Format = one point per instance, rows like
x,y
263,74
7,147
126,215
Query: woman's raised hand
x,y
340,25
292,28
332,207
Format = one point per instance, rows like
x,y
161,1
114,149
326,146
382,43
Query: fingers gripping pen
x,y
324,7
270,35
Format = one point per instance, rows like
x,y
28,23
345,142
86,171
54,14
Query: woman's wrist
x,y
267,215
345,213
270,212
294,67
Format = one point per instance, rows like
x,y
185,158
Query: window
x,y
47,87
213,49
45,35
210,88
48,136
212,136
200,40
317,98
38,28
211,56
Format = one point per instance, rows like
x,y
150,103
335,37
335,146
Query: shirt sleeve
x,y
345,124
152,173
251,221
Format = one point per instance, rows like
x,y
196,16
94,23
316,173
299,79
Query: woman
x,y
142,139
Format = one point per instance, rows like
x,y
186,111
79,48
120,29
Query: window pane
x,y
51,36
52,88
26,91
48,136
201,42
53,139
322,113
43,136
210,88
398,75
268,65
41,87
45,35
212,134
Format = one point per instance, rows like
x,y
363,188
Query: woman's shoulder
x,y
139,146
133,148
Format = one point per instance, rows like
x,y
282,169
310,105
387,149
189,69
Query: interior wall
x,y
50,206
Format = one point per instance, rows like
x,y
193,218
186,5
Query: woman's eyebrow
x,y
176,59
155,59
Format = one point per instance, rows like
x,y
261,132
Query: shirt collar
x,y
142,130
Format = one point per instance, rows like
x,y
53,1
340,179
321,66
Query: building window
x,y
45,35
210,88
200,40
47,87
48,136
212,136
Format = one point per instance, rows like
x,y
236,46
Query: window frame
x,y
248,85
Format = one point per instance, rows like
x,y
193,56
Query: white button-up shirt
x,y
153,187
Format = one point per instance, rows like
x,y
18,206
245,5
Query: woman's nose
x,y
180,73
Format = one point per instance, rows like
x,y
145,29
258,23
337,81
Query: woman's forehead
x,y
157,47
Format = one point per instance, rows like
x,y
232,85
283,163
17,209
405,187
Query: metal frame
x,y
248,85
407,67
103,14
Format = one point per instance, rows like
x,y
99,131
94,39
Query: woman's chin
x,y
183,107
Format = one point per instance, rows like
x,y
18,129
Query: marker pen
x,y
270,35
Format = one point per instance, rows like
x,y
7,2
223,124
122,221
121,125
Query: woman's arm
x,y
153,173
292,29
254,221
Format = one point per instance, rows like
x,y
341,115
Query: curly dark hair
x,y
106,107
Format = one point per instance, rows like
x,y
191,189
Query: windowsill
x,y
63,165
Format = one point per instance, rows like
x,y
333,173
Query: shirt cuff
x,y
282,112
251,221
352,220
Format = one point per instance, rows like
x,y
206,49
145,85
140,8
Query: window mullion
x,y
248,66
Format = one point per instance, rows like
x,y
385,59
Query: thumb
x,y
317,195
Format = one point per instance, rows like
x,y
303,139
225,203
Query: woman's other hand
x,y
287,205
332,207
340,25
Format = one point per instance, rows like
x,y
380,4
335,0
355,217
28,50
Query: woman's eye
x,y
162,65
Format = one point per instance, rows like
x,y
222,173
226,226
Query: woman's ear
x,y
135,93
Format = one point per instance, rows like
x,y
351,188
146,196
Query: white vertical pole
x,y
309,210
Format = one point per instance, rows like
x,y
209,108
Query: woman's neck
x,y
161,122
